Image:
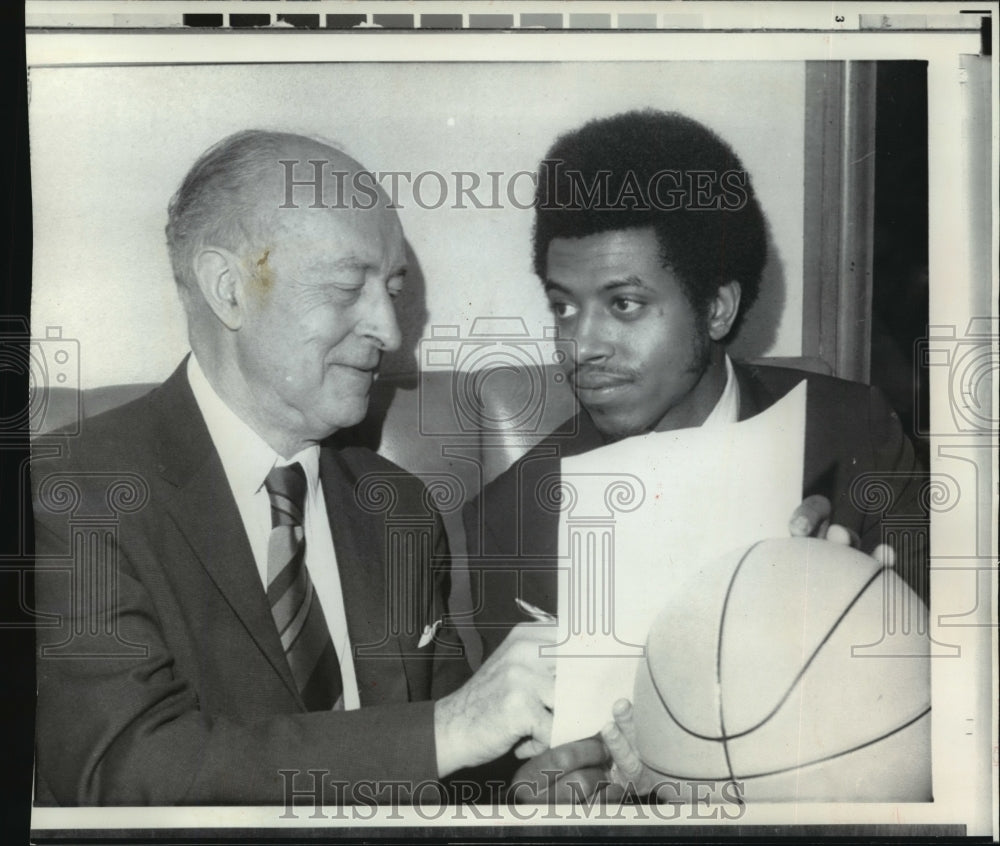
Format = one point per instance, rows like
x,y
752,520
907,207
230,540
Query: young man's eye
x,y
562,309
626,306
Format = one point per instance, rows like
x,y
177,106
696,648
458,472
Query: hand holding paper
x,y
640,519
507,702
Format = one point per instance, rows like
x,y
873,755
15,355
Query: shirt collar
x,y
727,409
246,457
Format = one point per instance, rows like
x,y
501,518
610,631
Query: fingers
x,y
524,644
620,737
507,702
534,632
569,772
529,748
587,781
808,518
575,755
545,690
625,718
539,670
531,785
528,686
838,534
538,739
842,535
884,555
627,764
518,670
812,519
578,754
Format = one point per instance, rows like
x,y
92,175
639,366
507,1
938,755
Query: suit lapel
x,y
205,512
754,395
360,544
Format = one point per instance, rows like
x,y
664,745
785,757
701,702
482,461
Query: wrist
x,y
446,748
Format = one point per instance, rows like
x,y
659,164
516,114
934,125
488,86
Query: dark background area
x,y
899,266
17,695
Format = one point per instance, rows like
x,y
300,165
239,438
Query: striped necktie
x,y
295,606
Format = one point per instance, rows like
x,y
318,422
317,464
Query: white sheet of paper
x,y
639,518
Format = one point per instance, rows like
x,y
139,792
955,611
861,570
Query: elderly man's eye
x,y
395,286
347,293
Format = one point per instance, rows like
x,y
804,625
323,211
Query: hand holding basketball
x,y
782,673
619,736
811,519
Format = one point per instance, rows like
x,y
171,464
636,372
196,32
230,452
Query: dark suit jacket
x,y
850,430
161,678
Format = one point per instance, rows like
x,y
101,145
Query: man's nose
x,y
592,339
379,321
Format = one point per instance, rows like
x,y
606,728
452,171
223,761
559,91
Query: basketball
x,y
799,668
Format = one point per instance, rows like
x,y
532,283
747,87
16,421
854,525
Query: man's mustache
x,y
589,377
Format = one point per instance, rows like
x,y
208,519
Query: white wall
x,y
110,145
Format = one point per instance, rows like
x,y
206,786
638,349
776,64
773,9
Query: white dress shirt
x,y
247,459
727,409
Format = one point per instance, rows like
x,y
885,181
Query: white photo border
x,y
965,772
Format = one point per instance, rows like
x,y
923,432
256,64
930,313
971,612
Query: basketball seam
x,y
813,763
725,738
805,666
718,659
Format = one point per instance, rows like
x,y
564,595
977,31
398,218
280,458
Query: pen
x,y
536,613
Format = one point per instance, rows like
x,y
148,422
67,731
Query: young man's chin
x,y
612,426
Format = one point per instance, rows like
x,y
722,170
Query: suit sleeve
x,y
118,723
858,456
904,522
493,571
451,663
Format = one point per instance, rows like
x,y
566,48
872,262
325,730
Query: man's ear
x,y
220,279
723,310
